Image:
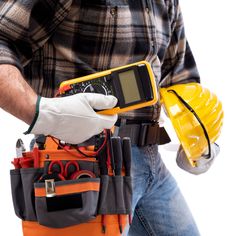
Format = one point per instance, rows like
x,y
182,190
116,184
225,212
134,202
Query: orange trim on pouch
x,y
92,228
69,189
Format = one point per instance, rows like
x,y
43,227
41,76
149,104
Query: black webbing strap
x,y
144,134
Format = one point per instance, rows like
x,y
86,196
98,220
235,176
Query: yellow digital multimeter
x,y
133,85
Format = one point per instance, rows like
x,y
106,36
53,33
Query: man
x,y
46,42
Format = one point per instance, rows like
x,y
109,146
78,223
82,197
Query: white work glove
x,y
72,118
202,164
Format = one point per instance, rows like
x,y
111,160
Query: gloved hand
x,y
73,119
203,164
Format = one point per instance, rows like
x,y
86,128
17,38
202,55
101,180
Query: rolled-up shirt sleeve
x,y
26,25
178,65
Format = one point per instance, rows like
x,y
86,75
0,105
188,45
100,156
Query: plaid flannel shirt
x,y
54,40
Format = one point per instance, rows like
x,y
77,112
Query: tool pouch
x,y
115,195
73,202
69,207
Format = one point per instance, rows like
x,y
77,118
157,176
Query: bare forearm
x,y
16,96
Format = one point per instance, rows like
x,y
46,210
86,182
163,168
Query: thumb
x,y
100,101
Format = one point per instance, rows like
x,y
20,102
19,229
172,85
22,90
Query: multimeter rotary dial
x,y
95,88
100,86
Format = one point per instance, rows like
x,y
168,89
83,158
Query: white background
x,y
210,29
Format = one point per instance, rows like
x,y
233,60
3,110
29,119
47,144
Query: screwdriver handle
x,y
117,152
126,148
102,160
109,135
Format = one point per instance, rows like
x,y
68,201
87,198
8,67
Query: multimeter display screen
x,y
129,86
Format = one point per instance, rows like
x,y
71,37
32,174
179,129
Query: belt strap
x,y
144,134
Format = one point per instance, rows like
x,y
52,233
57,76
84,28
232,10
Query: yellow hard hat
x,y
196,115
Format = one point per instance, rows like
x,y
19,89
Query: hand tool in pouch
x,y
110,152
20,148
126,150
117,152
21,161
19,154
102,160
55,172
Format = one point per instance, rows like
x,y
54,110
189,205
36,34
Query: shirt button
x,y
113,11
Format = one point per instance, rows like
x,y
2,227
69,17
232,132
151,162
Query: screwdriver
x,y
126,150
117,152
102,158
111,151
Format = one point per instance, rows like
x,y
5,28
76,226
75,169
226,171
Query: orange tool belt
x,y
64,191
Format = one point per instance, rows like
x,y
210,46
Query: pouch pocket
x,y
115,195
17,193
22,181
74,202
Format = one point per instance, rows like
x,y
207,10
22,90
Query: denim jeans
x,y
159,208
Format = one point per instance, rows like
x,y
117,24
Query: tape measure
x,y
133,85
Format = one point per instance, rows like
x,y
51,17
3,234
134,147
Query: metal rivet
x,y
50,188
47,156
